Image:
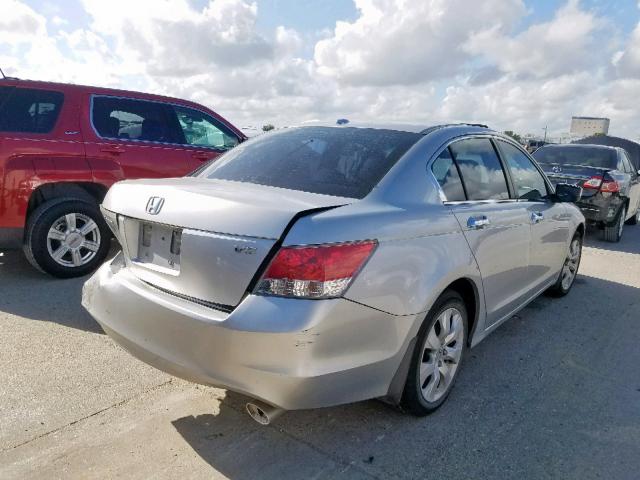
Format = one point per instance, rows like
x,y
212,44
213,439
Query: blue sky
x,y
515,64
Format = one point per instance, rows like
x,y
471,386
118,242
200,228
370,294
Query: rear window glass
x,y
30,111
4,93
345,162
583,156
130,119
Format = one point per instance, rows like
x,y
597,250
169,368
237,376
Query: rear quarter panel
x,y
421,250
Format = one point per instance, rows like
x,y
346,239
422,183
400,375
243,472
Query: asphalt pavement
x,y
553,393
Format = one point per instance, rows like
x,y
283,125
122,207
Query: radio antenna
x,y
3,75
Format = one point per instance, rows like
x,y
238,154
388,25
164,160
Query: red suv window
x,y
30,111
130,119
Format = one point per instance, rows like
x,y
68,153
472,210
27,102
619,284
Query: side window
x,y
527,179
30,111
130,119
447,175
202,130
4,94
627,164
481,170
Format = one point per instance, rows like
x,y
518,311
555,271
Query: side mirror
x,y
568,193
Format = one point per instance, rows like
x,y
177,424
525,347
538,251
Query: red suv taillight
x,y
319,271
604,184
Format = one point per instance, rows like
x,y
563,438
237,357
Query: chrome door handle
x,y
536,217
478,222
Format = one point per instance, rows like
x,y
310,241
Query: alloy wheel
x,y
441,355
570,268
73,240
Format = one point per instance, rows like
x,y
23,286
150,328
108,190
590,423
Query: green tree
x,y
268,127
514,135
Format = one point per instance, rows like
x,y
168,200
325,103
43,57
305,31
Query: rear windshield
x,y
344,162
583,156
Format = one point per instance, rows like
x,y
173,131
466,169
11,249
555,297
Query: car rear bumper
x,y
291,353
600,210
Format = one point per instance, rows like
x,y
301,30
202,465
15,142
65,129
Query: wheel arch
x,y
88,191
470,293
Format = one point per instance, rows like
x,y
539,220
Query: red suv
x,y
62,146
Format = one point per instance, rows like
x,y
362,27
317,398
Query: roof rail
x,y
444,125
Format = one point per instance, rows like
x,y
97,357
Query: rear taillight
x,y
322,271
593,183
603,184
610,186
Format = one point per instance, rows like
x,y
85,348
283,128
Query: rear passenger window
x,y
30,111
130,119
448,177
480,169
527,179
4,93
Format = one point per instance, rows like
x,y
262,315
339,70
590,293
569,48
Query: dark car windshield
x,y
344,162
584,156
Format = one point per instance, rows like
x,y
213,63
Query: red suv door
x,y
132,138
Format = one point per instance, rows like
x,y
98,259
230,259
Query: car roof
x,y
68,87
401,127
580,145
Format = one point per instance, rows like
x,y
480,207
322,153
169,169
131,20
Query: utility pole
x,y
545,134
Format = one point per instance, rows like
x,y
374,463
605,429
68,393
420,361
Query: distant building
x,y
586,126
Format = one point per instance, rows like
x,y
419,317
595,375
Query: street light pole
x,y
545,134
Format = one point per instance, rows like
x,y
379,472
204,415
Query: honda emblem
x,y
154,205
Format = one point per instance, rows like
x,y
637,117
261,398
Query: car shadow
x,y
531,402
629,243
28,293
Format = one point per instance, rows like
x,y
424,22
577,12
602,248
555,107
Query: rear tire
x,y
437,357
66,237
613,233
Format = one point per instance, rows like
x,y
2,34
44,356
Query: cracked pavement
x,y
553,393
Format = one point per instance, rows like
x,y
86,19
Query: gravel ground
x,y
553,393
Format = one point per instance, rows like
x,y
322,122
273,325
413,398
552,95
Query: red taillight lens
x,y
321,271
610,186
593,183
603,184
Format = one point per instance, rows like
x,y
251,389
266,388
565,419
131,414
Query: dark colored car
x,y
610,183
62,146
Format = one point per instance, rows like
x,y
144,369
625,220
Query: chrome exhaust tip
x,y
262,413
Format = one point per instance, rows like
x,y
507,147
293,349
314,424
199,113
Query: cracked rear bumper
x,y
291,353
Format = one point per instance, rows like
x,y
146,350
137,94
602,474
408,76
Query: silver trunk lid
x,y
224,230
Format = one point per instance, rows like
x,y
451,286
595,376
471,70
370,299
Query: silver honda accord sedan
x,y
317,266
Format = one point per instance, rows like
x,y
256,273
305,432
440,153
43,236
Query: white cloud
x,y
562,45
18,22
627,61
403,42
400,60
